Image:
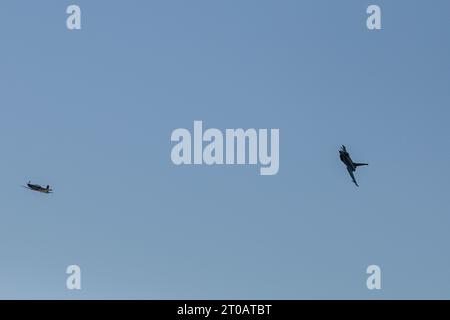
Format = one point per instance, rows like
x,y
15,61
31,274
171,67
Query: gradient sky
x,y
91,112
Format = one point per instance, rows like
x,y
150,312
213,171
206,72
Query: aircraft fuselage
x,y
38,188
345,158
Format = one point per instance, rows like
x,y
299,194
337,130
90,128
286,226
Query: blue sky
x,y
91,112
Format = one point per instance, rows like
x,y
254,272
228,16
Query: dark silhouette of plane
x,y
38,188
351,166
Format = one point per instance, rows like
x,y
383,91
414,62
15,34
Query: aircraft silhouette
x,y
38,188
351,166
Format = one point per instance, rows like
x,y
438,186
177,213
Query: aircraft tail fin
x,y
360,164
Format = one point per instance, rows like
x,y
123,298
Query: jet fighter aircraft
x,y
351,166
38,188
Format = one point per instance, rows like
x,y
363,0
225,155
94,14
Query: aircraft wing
x,y
38,190
350,171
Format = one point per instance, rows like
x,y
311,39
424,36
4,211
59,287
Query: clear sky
x,y
91,113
